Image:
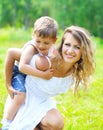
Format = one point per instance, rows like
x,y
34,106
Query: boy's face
x,y
43,44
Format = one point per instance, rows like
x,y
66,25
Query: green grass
x,y
87,113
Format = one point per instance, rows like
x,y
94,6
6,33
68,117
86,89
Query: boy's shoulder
x,y
30,42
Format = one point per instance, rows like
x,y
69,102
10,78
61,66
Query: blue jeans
x,y
18,80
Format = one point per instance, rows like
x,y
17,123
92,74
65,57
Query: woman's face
x,y
71,50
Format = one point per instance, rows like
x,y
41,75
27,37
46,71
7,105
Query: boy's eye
x,y
38,41
46,43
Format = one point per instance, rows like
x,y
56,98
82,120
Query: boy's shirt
x,y
51,52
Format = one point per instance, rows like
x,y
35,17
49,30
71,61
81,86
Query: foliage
x,y
23,13
87,112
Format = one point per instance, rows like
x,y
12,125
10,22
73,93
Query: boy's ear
x,y
55,40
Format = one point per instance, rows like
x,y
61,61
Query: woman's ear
x,y
80,61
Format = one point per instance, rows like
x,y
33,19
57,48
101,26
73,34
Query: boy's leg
x,y
12,109
15,105
52,121
18,81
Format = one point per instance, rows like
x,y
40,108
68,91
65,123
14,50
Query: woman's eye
x,y
77,47
67,44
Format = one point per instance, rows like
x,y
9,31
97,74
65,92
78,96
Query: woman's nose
x,y
70,50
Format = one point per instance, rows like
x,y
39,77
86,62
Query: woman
x,y
73,64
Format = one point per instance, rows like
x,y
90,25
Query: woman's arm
x,y
12,55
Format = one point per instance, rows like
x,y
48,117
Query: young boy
x,y
44,36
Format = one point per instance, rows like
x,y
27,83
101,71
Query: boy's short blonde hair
x,y
45,27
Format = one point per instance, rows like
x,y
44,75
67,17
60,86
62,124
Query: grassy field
x,y
87,113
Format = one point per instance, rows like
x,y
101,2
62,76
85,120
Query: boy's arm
x,y
24,66
12,55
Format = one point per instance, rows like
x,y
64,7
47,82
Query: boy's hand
x,y
48,74
12,91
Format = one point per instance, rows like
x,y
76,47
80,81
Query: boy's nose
x,y
41,46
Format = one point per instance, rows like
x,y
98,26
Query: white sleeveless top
x,y
38,99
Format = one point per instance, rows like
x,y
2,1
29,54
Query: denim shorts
x,y
18,80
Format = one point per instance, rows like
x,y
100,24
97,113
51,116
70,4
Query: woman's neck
x,y
62,69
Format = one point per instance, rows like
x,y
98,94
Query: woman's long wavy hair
x,y
84,68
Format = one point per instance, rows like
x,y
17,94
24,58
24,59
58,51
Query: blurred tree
x,y
5,13
23,13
